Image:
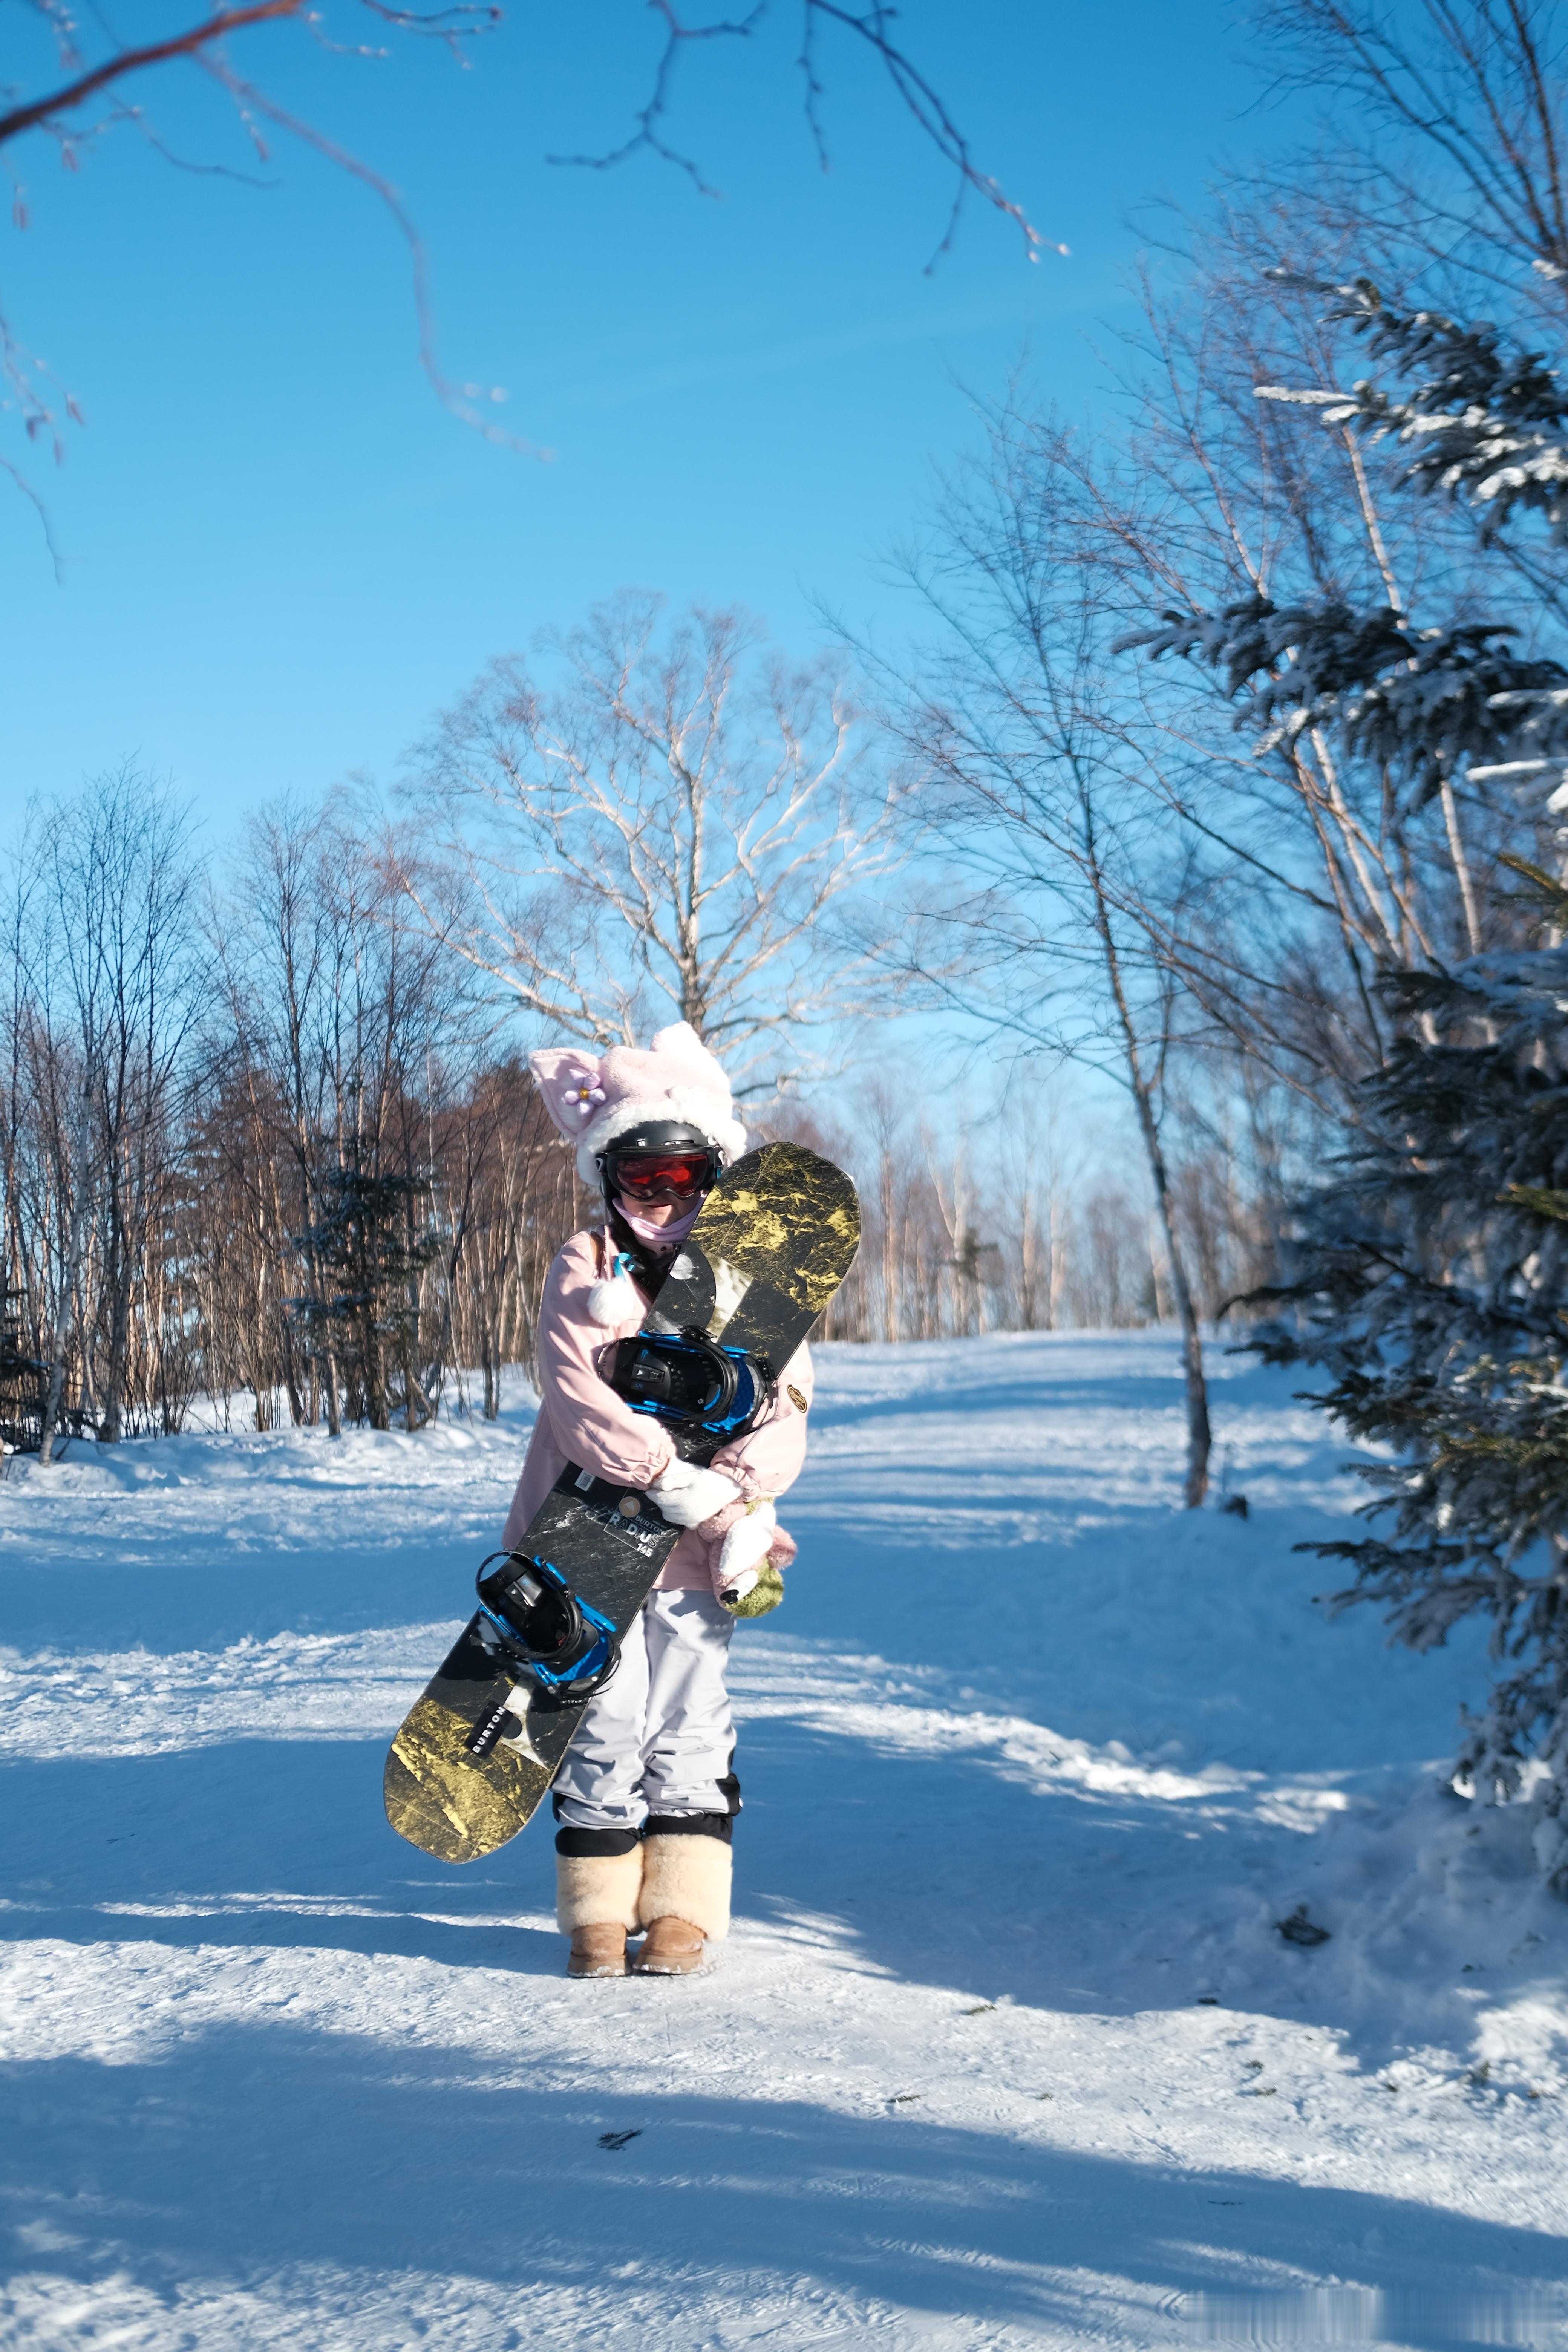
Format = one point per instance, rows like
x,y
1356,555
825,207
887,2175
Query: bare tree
x,y
272,954
1451,144
1052,846
1041,1171
109,976
1105,1287
340,1020
511,1196
669,827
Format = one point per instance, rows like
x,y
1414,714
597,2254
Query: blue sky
x,y
281,555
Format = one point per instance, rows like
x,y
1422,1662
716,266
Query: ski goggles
x,y
659,1175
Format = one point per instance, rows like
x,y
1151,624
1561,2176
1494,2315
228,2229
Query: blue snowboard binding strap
x,y
566,1645
691,1383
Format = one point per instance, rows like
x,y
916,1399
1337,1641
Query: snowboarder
x,y
647,1798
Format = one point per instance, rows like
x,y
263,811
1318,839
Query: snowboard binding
x,y
569,1649
688,1380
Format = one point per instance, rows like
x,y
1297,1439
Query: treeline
x,y
264,1140
961,1236
257,1142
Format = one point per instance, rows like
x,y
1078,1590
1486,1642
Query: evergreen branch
x,y
1538,1199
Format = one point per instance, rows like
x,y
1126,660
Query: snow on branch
x,y
1423,701
1484,422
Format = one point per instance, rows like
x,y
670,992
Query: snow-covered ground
x,y
1006,2048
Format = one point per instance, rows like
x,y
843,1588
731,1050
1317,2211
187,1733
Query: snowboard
x,y
774,1240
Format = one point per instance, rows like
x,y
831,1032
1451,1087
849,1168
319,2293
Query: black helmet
x,y
676,1139
655,1135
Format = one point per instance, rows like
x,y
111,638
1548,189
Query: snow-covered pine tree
x,y
1432,1281
1432,1288
1483,422
1489,427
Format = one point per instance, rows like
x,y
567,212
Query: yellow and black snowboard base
x,y
776,1236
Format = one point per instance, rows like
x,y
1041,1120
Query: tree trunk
x,y
122,1276
373,1358
70,1277
1055,1263
890,1253
1198,1434
1028,1258
1199,1438
292,1376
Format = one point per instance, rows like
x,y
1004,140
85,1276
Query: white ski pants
x,y
658,1737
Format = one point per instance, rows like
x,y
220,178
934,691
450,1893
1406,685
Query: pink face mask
x,y
657,1236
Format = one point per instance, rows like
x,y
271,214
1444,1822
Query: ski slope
x,y
1007,2049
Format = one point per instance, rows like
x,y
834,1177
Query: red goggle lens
x,y
654,1172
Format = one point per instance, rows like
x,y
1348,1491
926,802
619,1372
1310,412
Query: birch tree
x,y
1050,846
669,823
111,978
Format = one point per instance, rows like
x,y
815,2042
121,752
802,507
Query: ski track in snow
x,y
1006,2048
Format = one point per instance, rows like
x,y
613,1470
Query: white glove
x,y
687,1495
743,1552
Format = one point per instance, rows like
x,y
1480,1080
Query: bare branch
x,y
661,828
75,93
873,26
648,135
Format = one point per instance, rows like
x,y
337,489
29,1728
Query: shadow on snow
x,y
258,2146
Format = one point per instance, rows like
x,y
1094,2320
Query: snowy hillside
x,y
1006,2048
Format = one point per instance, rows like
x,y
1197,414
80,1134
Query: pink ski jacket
x,y
582,1420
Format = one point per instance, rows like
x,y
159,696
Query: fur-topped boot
x,y
684,1901
595,1903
